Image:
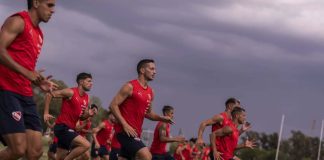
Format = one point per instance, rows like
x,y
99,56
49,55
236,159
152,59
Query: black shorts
x,y
129,145
114,153
18,113
162,157
52,148
101,151
65,136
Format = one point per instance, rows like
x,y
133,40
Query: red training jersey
x,y
134,108
24,50
71,109
186,152
226,120
105,134
159,147
205,153
114,142
177,156
86,127
227,144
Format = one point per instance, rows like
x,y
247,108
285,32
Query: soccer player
x,y
21,40
131,104
102,136
74,107
219,120
162,137
84,128
224,141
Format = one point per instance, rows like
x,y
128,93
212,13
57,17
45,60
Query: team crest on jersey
x,y
16,115
139,93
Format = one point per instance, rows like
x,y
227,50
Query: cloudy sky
x,y
269,54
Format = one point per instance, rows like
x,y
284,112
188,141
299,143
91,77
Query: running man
x,y
21,40
102,136
131,104
224,141
84,128
162,137
220,120
74,107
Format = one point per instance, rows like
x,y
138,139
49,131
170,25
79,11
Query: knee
x,y
148,156
87,145
18,151
35,153
145,156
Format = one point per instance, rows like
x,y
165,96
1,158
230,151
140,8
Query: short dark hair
x,y
167,109
231,100
142,63
29,4
82,76
237,110
92,106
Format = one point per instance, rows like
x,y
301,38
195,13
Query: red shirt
x,y
134,108
227,144
175,155
86,127
205,153
105,133
159,147
186,152
71,109
114,142
226,120
24,50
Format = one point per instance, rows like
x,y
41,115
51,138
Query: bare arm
x,y
66,93
164,138
12,27
95,131
218,133
79,127
121,96
215,119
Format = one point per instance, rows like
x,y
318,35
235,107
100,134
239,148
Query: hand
x,y
180,139
130,131
97,146
48,117
200,141
35,76
246,126
217,156
249,144
167,120
47,85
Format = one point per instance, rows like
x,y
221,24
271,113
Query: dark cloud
x,y
268,54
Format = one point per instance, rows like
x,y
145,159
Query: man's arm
x,y
95,131
215,119
64,93
246,144
79,127
121,96
164,138
218,133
